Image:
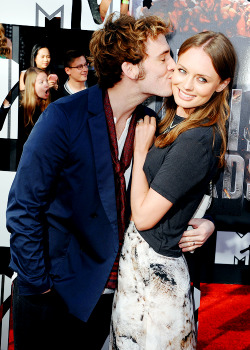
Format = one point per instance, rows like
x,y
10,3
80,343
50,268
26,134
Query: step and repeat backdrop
x,y
69,24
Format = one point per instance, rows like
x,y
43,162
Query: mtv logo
x,y
35,11
232,248
241,262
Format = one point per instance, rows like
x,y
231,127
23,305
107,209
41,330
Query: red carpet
x,y
224,318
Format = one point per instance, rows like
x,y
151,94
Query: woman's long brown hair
x,y
216,111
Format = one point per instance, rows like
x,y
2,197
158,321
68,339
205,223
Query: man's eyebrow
x,y
164,52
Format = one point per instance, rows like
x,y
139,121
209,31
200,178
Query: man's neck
x,y
123,101
76,85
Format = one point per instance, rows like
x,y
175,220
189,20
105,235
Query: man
x,y
76,67
67,205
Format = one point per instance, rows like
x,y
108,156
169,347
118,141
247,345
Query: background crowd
x,y
231,17
43,79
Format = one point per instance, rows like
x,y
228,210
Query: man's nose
x,y
171,64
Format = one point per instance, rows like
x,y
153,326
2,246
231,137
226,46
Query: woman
x,y
153,308
33,101
40,58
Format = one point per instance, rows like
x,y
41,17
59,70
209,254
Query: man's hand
x,y
192,239
47,291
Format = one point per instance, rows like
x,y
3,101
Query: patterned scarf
x,y
120,167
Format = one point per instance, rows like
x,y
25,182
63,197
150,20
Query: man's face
x,y
158,67
78,70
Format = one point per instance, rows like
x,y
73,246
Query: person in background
x,y
104,6
40,57
5,44
153,306
76,67
67,208
33,101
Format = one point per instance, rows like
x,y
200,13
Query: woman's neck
x,y
184,112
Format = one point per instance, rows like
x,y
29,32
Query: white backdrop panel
x,y
32,13
229,245
7,83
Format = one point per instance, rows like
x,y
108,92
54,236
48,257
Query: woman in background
x,y
153,307
40,58
33,101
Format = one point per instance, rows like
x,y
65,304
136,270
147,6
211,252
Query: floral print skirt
x,y
152,307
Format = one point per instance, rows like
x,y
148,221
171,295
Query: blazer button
x,y
93,215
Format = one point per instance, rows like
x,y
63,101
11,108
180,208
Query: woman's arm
x,y
147,206
4,109
21,81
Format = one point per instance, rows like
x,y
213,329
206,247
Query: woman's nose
x,y
188,83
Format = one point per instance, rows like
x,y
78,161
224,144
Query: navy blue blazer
x,y
62,209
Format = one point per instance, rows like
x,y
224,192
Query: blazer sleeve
x,y
43,156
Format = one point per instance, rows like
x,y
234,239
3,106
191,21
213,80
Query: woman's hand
x,y
144,134
192,239
53,81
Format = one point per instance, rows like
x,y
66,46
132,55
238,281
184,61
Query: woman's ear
x,y
130,70
223,84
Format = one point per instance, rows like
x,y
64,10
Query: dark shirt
x,y
180,172
24,131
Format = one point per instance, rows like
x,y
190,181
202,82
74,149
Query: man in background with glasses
x,y
76,67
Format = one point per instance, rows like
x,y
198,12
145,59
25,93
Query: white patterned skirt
x,y
153,307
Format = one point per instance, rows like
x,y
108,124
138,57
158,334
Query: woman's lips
x,y
185,96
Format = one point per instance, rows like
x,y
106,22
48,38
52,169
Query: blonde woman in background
x,y
33,101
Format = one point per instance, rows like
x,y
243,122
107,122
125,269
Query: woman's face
x,y
42,86
43,58
194,81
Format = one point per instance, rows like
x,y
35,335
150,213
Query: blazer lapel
x,y
102,155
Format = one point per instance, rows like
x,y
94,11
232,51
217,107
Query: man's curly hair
x,y
122,39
